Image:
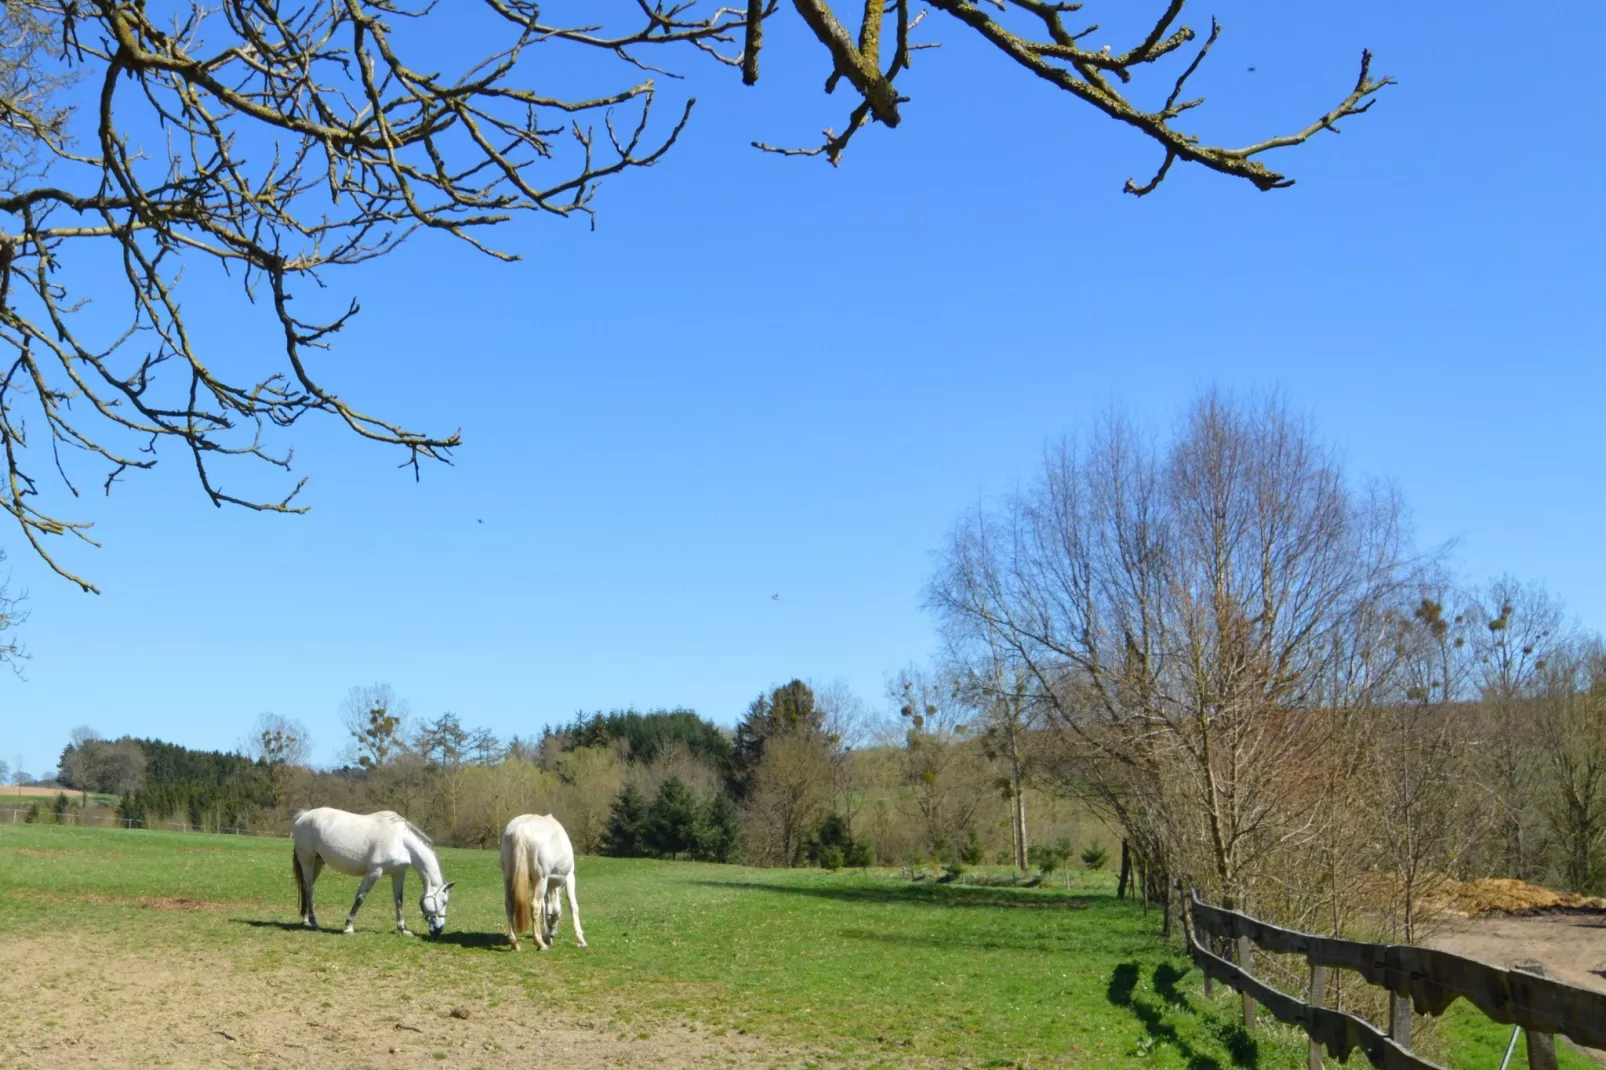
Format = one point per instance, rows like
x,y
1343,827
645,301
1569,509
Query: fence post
x,y
1541,1046
1400,1019
1317,998
1243,964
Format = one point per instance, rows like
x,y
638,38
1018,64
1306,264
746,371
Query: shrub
x,y
1047,859
1095,856
59,807
835,834
32,815
970,853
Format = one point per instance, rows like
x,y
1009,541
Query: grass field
x,y
194,942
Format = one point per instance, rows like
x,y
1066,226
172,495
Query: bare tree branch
x,y
280,143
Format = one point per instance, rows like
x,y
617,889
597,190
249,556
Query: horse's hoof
x,y
579,943
349,930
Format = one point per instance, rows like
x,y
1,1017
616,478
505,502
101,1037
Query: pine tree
x,y
627,825
719,839
674,820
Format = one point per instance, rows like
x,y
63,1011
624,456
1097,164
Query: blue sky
x,y
761,376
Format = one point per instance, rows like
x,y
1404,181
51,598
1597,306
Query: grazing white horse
x,y
367,846
536,851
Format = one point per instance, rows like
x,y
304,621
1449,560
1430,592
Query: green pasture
x,y
864,968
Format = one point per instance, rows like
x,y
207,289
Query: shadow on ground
x,y
1122,991
475,941
936,895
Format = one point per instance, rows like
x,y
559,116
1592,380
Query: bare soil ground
x,y
1571,946
78,1003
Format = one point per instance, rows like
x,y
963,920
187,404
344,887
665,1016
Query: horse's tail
x,y
517,878
301,883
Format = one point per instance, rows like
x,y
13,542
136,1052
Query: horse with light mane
x,y
367,846
536,852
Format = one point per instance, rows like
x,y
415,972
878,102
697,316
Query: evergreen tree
x,y
720,837
675,819
789,710
627,825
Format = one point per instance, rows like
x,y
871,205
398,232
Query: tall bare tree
x,y
1183,610
1572,736
282,142
1520,627
943,774
376,720
1417,746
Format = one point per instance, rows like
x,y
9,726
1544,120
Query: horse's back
x,y
351,843
545,838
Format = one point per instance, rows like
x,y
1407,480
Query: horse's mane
x,y
420,833
393,816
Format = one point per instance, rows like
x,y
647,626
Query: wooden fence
x,y
108,819
1418,977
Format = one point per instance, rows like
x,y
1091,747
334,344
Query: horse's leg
x,y
311,872
538,922
362,893
401,915
574,911
553,912
301,885
508,904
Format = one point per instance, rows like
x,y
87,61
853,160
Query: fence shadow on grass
x,y
1122,992
960,941
932,895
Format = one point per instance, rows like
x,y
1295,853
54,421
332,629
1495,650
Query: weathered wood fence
x,y
1418,977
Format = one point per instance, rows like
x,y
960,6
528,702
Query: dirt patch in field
x,y
88,1003
1570,946
180,903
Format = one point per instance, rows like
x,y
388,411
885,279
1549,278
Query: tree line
x,y
805,777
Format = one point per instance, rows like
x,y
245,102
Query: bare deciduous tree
x,y
789,797
1182,612
283,747
943,774
377,722
1519,627
279,143
1572,735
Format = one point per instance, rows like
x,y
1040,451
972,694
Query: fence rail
x,y
1429,980
44,815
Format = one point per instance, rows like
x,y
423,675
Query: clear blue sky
x,y
761,376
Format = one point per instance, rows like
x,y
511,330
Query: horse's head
x,y
433,904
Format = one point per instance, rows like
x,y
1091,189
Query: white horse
x,y
536,851
367,846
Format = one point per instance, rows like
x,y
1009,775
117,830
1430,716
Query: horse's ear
x,y
447,886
